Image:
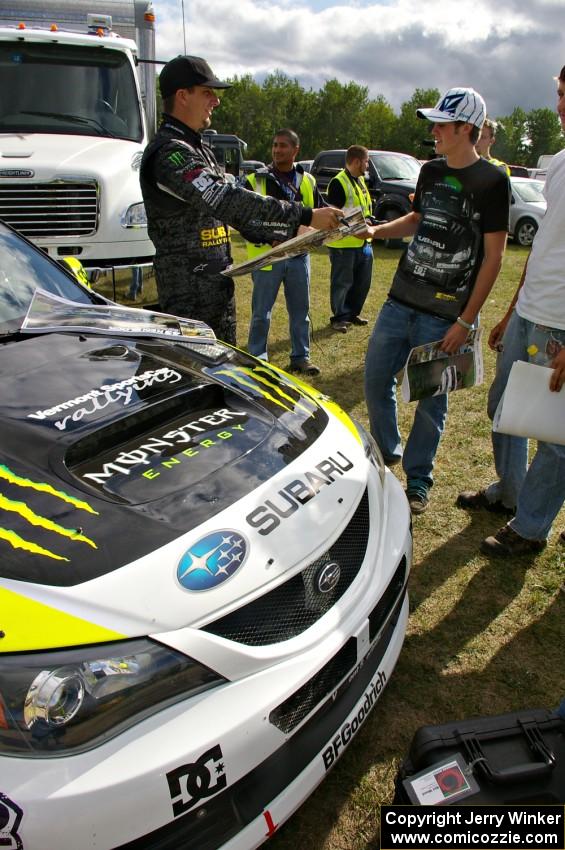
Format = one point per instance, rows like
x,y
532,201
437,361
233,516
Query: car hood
x,y
537,208
117,436
400,185
118,456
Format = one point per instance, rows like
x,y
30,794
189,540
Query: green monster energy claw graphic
x,y
256,382
21,509
12,478
177,159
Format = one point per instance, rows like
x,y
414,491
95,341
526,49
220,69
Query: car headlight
x,y
65,701
135,216
372,451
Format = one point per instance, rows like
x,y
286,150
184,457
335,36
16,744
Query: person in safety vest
x,y
351,258
190,203
76,268
283,179
485,143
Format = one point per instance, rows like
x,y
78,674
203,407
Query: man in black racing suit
x,y
189,204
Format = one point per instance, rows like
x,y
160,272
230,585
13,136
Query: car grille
x,y
381,611
297,604
50,209
295,708
289,713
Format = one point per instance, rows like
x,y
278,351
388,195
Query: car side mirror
x,y
512,200
370,180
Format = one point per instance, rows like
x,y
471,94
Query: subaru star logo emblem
x,y
328,577
212,560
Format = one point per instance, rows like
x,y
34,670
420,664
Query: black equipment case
x,y
509,758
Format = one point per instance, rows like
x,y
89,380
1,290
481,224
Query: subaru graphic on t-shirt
x,y
437,272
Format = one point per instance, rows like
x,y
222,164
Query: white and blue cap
x,y
458,104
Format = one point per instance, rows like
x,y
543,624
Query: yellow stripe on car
x,y
27,624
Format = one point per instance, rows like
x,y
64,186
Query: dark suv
x,y
391,179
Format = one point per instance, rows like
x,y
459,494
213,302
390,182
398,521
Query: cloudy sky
x,y
509,50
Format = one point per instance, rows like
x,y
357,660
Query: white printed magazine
x,y
351,224
48,313
430,371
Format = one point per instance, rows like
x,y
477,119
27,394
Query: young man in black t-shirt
x,y
459,224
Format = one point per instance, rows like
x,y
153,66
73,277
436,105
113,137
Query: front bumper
x,y
243,816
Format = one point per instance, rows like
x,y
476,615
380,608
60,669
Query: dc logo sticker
x,y
10,818
190,783
212,560
450,103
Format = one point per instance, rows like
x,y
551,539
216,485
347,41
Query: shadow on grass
x,y
430,686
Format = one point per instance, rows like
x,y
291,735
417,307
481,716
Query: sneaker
x,y
361,321
417,495
340,327
304,367
476,500
507,542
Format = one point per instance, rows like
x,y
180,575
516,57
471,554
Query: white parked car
x,y
527,208
203,577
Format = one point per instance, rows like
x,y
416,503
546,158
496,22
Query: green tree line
x,y
341,114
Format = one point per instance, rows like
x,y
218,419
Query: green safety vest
x,y
76,267
356,195
259,184
494,161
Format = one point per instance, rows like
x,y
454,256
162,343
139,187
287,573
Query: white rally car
x,y
202,582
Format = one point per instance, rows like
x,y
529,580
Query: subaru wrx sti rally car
x,y
202,579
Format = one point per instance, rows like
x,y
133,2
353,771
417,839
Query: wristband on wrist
x,y
467,325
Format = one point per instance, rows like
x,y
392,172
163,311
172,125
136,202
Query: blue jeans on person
x,y
398,329
295,275
350,281
538,491
136,285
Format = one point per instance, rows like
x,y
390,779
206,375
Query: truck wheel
x,y
391,215
525,231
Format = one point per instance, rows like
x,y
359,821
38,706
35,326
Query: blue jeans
x,y
295,275
136,282
350,281
537,491
398,329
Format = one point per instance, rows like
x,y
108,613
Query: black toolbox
x,y
508,758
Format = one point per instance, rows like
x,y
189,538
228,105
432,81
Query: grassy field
x,y
484,637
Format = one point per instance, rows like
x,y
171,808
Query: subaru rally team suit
x,y
189,205
293,272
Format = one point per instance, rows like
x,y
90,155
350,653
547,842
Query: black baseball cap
x,y
182,72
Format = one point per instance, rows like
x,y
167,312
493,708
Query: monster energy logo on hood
x,y
143,454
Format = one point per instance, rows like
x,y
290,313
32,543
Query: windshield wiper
x,y
76,119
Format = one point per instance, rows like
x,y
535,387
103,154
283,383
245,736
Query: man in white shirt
x,y
532,330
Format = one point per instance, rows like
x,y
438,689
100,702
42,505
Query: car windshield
x,y
58,88
530,191
23,269
393,166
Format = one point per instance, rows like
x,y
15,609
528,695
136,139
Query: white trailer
x,y
77,109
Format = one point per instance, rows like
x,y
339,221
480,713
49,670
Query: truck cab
x,y
76,112
229,151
